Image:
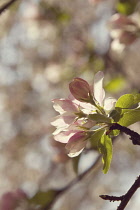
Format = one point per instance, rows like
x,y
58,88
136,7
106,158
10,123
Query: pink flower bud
x,y
80,89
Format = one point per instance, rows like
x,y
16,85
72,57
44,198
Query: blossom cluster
x,y
76,122
124,29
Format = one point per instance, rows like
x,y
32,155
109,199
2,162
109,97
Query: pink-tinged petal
x,y
72,153
59,122
68,118
79,124
99,92
76,144
80,89
87,108
58,130
64,105
64,136
109,103
63,120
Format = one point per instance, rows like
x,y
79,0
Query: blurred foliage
x,y
44,198
126,7
54,13
44,44
116,84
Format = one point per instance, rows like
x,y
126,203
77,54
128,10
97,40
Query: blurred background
x,y
44,44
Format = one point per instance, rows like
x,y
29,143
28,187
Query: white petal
x,y
64,105
58,122
74,148
75,153
58,130
99,92
109,103
57,105
64,136
63,120
87,108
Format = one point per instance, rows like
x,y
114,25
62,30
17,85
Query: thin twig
x,y
124,198
111,198
6,5
129,194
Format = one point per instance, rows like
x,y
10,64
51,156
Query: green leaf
x,y
128,100
99,118
130,118
96,137
136,97
44,198
115,115
114,133
105,148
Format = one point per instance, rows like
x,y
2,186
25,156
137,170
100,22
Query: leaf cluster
x,y
126,112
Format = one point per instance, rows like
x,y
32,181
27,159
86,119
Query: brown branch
x,y
124,198
111,198
6,5
129,194
134,136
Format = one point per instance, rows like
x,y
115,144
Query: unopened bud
x,y
80,89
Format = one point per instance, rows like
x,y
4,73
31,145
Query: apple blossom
x,y
74,124
123,29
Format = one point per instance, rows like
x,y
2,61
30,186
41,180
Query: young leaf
x,y
115,115
130,118
105,148
114,133
128,100
96,137
100,118
136,97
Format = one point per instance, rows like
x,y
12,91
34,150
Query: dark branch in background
x,y
135,137
72,183
125,198
112,198
6,6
